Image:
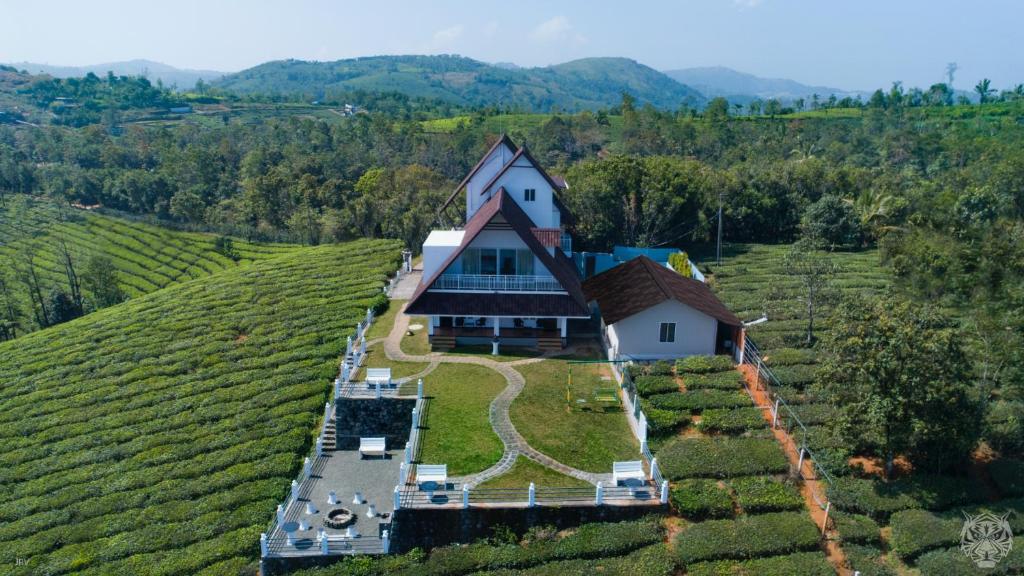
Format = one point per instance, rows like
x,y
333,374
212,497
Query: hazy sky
x,y
859,44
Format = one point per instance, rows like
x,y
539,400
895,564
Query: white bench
x,y
372,447
631,470
436,473
378,375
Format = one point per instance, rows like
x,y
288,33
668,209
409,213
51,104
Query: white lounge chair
x,y
432,474
630,470
372,447
378,375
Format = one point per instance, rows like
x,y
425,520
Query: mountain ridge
x,y
715,81
183,78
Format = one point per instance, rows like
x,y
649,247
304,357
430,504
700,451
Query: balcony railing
x,y
497,283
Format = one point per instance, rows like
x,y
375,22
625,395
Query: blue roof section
x,y
626,253
607,260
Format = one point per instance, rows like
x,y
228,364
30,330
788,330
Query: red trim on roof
x,y
641,283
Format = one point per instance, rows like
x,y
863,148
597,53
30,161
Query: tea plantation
x,y
146,257
157,436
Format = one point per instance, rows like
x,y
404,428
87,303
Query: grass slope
x,y
146,257
156,436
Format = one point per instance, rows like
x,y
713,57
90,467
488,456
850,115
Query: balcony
x,y
496,283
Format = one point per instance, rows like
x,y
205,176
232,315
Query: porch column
x,y
563,327
497,327
430,325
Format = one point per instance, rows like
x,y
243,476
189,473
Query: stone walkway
x,y
407,285
514,443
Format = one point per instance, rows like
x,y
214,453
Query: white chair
x,y
630,470
372,447
380,376
436,474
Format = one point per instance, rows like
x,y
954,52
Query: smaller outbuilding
x,y
650,312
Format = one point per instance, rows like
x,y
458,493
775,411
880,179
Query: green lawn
x,y
586,435
417,343
508,353
382,324
525,471
456,430
375,358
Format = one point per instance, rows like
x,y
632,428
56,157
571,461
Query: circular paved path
x,y
514,443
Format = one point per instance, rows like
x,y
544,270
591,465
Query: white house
x,y
650,312
505,275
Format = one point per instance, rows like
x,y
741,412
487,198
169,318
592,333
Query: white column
x,y
664,491
295,490
386,541
431,322
465,495
533,495
643,427
307,468
654,468
497,326
599,497
398,499
264,549
408,452
563,326
419,388
280,514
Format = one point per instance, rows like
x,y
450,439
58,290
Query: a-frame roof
x,y
502,140
523,152
572,304
641,283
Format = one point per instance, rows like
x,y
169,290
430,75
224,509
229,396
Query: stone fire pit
x,y
339,518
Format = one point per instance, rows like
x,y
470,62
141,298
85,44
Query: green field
x,y
146,257
157,436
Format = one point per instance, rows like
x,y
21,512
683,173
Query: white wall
x,y
519,177
433,257
492,164
637,336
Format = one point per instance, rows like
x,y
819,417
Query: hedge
x,y
730,380
648,385
917,531
856,528
814,414
704,364
588,541
662,422
953,562
650,561
881,499
720,457
747,537
1008,475
867,560
802,563
733,420
701,499
659,368
764,494
697,400
798,375
790,356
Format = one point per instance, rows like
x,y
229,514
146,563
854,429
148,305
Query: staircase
x,y
330,434
549,343
441,343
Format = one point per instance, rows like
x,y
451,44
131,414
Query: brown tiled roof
x,y
504,139
548,236
641,283
501,204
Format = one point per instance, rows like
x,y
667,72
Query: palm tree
x,y
984,90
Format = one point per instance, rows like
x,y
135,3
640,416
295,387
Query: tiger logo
x,y
986,538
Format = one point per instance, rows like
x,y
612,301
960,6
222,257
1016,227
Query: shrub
x,y
1004,426
917,531
731,420
704,364
659,368
867,560
721,457
880,499
798,375
729,380
765,494
1008,475
697,400
661,422
680,262
814,414
856,528
790,356
953,562
802,563
650,561
747,537
648,385
700,499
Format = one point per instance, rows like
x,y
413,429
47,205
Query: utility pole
x,y
718,251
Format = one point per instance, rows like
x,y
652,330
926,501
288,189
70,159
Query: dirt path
x,y
812,489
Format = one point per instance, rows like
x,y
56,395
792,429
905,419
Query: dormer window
x,y
530,194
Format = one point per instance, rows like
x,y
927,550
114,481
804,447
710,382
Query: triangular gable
x,y
505,141
524,154
501,204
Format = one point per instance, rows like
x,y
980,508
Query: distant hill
x,y
183,78
581,84
741,87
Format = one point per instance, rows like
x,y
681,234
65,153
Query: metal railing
x,y
497,283
466,497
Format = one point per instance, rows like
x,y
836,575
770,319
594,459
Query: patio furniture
x,y
372,447
380,376
629,470
432,474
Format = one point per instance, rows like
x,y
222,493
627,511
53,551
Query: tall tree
x,y
814,271
984,90
100,278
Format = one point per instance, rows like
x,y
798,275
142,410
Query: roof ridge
x,y
504,138
658,280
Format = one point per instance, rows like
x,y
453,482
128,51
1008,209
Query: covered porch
x,y
446,332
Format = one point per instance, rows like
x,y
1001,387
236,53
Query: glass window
x,y
508,262
488,261
525,264
471,261
668,332
530,194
